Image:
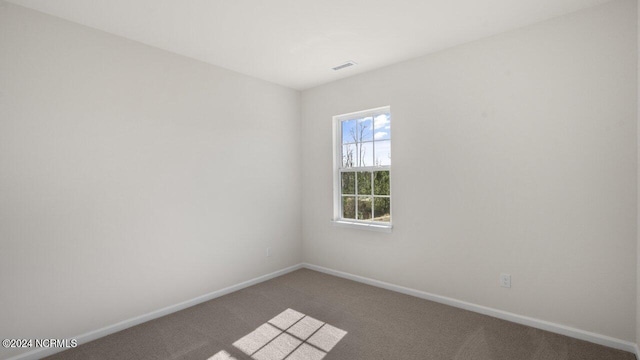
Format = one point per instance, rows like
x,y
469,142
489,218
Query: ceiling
x,y
295,43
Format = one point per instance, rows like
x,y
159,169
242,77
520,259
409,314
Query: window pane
x,y
348,183
364,171
382,127
364,183
383,153
365,129
348,207
380,183
382,209
349,156
364,207
364,154
349,131
357,155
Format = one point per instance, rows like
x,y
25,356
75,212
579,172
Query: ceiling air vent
x,y
345,65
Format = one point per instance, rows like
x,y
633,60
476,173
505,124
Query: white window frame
x,y
338,169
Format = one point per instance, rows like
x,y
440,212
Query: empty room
x,y
214,180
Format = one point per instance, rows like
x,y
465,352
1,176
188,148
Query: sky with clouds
x,y
374,134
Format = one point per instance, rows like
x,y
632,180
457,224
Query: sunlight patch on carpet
x,y
327,337
280,347
285,319
305,327
222,355
257,339
291,335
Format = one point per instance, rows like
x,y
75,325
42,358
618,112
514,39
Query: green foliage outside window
x,y
374,205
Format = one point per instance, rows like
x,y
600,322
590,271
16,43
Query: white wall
x,y
132,178
638,202
514,154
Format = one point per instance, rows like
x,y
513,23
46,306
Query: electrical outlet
x,y
268,252
505,280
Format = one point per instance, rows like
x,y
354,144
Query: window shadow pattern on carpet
x,y
290,335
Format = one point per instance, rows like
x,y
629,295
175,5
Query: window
x,y
362,168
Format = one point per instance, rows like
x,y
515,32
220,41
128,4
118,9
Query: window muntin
x,y
363,167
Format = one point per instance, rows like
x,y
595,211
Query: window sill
x,y
363,226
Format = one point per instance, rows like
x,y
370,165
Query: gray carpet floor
x,y
370,323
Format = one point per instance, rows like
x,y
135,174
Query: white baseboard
x,y
93,335
520,319
504,315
